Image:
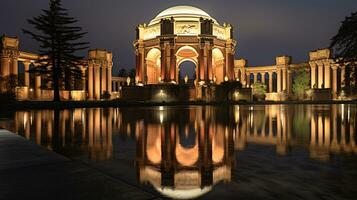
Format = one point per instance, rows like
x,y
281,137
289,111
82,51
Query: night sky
x,y
263,28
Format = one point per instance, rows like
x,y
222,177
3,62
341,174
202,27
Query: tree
x,y
301,83
259,90
132,73
123,73
59,45
344,44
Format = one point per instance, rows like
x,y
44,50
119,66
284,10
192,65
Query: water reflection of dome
x,y
187,184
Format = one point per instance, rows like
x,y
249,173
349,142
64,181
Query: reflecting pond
x,y
260,151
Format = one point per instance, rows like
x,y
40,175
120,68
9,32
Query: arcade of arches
x,y
176,35
183,33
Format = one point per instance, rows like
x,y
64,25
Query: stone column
x,y
90,80
15,66
173,64
5,66
270,81
247,79
289,81
83,78
278,82
343,74
103,78
313,74
284,78
327,83
97,81
109,78
320,75
27,74
334,80
255,77
38,87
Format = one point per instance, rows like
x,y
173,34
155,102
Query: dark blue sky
x,y
263,28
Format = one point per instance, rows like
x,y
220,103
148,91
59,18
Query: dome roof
x,y
182,12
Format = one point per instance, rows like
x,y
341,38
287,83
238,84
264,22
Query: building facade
x,y
96,69
186,33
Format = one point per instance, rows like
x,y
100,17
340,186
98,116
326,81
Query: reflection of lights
x,y
31,90
348,112
161,108
342,112
161,117
226,78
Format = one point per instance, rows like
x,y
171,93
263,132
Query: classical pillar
x,y
284,78
83,78
343,74
327,79
270,81
15,66
209,64
255,77
313,74
90,80
334,80
289,81
38,86
278,82
103,78
247,79
5,66
109,78
97,81
173,64
320,74
27,74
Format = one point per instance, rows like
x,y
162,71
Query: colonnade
x,y
96,81
99,73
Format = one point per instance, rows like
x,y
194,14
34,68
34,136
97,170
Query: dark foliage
x,y
59,43
345,46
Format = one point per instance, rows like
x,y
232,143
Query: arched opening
x,y
218,65
187,68
186,64
153,65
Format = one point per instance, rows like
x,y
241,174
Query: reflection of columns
x,y
27,74
327,75
38,127
270,81
278,82
313,74
327,131
90,80
320,130
320,75
270,127
313,131
334,80
343,74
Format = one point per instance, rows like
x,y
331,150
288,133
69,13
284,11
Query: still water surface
x,y
250,152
